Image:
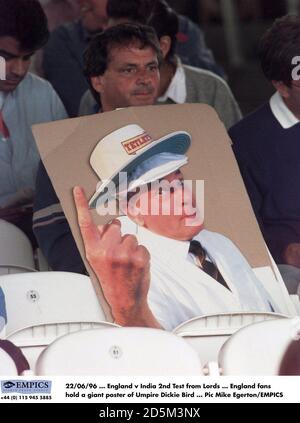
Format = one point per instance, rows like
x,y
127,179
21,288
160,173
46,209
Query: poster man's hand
x,y
120,264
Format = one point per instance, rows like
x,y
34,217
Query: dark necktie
x,y
207,266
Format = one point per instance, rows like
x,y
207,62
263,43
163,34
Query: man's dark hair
x,y
97,54
165,22
155,13
25,21
277,48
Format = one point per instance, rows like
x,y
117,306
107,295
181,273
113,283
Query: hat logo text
x,y
133,145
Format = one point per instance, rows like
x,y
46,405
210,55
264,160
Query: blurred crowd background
x,y
232,30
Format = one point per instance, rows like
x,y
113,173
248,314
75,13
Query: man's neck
x,y
167,72
294,108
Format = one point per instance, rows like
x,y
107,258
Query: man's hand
x,y
16,215
291,255
121,265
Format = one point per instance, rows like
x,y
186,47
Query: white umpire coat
x,y
179,290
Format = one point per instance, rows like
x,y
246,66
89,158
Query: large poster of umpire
x,y
161,217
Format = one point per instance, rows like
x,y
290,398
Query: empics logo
x,y
26,386
2,69
8,385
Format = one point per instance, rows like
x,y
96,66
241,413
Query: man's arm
x,y
225,104
121,266
251,175
52,230
291,254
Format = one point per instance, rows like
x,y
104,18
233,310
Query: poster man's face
x,y
131,78
17,63
181,205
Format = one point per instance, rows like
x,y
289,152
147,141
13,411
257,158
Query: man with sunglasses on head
x,y
266,145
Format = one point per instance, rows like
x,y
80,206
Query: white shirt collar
x,y
177,89
281,112
155,242
168,248
163,244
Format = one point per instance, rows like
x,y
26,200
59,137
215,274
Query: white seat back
x,y
121,351
258,349
35,339
42,306
16,253
40,298
207,334
7,365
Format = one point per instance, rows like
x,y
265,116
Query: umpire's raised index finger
x,y
91,234
83,213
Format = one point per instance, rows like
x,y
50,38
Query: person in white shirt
x,y
25,100
179,83
266,146
148,263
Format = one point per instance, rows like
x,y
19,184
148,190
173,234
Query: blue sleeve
x,y
52,230
192,49
250,170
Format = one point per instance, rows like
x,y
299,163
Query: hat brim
x,y
176,142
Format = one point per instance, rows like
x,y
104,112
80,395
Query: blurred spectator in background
x,y
290,364
63,55
190,46
266,145
59,12
179,83
24,100
210,10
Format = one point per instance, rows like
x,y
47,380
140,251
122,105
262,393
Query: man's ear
x,y
97,83
283,89
165,44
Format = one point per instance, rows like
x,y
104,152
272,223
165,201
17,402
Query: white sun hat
x,y
126,148
155,168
